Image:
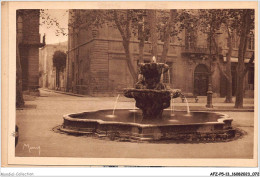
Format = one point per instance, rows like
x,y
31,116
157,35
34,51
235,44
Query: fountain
x,y
152,96
152,121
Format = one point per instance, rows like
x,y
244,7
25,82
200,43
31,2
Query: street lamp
x,y
210,92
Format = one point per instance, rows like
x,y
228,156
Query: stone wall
x,y
29,43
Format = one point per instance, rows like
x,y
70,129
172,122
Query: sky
x,y
50,30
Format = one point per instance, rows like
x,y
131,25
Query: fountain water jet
x,y
188,108
151,121
172,107
169,81
113,113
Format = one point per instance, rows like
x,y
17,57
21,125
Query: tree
x,y
230,26
175,22
228,74
231,18
19,85
153,31
237,22
214,19
167,34
247,23
123,24
142,31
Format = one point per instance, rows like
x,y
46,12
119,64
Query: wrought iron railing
x,y
204,50
196,50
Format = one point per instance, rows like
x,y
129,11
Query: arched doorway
x,y
201,80
59,62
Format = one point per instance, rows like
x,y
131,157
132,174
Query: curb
x,y
231,109
225,110
65,93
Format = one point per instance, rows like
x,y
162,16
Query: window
x,y
140,33
80,70
161,34
251,42
142,30
73,71
190,39
234,41
251,76
166,78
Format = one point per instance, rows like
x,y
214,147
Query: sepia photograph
x,y
144,82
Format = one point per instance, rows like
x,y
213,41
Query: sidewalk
x,y
218,103
61,92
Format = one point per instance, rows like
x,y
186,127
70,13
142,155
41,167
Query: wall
x,y
47,70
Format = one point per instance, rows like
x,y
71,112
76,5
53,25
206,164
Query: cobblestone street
x,y
41,114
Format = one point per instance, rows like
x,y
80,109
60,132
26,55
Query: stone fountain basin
x,y
128,124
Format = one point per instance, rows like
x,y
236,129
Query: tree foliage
x,y
59,59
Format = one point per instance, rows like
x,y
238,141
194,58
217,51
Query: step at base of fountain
x,y
206,126
121,136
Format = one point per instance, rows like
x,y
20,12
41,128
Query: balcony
x,y
199,51
195,50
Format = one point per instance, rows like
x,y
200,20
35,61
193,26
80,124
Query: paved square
x,y
43,113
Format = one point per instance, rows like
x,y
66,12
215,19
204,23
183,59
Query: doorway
x,y
201,80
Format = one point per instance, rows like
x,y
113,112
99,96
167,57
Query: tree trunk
x,y
239,90
19,85
129,61
141,47
241,54
126,35
228,72
153,32
167,36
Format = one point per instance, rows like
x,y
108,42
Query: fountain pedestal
x,y
151,102
152,96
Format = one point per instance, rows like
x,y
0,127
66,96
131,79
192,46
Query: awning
x,y
235,60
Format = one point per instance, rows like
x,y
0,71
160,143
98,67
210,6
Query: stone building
x,y
48,73
28,39
97,63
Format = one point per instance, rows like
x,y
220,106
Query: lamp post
x,y
210,92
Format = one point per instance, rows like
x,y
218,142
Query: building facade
x,y
97,63
49,78
29,42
